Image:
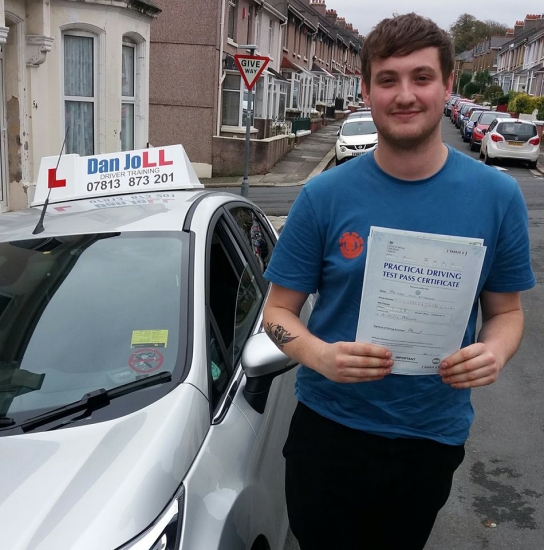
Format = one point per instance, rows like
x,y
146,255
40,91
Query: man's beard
x,y
406,142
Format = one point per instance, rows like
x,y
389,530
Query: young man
x,y
370,455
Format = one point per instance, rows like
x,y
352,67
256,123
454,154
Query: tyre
x,y
487,160
472,146
532,164
481,154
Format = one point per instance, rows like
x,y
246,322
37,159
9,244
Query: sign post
x,y
251,67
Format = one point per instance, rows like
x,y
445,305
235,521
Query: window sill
x,y
238,129
285,49
232,42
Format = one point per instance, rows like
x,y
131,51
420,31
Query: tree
x,y
483,79
467,31
464,79
494,92
470,89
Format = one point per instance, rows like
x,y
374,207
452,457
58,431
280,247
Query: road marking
x,y
501,168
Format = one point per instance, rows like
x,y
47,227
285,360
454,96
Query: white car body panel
x,y
99,485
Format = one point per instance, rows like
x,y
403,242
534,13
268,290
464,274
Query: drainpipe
x,y
221,72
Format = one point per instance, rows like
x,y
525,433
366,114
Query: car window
x,y
86,312
492,125
518,130
359,127
486,117
219,372
257,238
235,297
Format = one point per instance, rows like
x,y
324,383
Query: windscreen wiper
x,y
94,400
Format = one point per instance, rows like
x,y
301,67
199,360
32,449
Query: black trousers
x,y
350,490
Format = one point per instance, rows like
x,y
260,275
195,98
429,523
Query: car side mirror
x,y
475,124
262,361
338,133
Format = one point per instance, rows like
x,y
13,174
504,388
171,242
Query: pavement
x,y
309,157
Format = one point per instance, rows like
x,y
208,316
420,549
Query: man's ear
x,y
366,92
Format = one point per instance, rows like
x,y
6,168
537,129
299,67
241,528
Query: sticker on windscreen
x,y
146,360
149,339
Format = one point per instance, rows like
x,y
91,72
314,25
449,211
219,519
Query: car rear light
x,y
496,138
534,141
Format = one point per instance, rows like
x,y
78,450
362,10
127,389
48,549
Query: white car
x,y
141,404
357,136
511,138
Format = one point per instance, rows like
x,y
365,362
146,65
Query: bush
x,y
522,103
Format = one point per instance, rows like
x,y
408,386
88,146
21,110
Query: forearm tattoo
x,y
278,335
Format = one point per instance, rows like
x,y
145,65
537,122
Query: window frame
x,y
126,99
77,32
232,11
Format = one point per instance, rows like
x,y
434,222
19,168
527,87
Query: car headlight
x,y
342,149
341,141
165,533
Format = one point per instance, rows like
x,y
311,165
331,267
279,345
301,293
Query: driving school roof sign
x,y
251,67
73,177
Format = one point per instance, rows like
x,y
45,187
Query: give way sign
x,y
251,67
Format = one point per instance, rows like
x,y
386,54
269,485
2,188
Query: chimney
x,y
332,16
319,6
533,21
518,27
341,22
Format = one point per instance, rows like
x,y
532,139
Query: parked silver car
x,y
141,405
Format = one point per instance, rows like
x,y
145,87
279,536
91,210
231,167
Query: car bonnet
x,y
99,485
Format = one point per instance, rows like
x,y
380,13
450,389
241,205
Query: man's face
x,y
407,96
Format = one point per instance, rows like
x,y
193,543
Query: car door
x,y
230,498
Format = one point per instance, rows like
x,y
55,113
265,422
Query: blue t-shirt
x,y
322,249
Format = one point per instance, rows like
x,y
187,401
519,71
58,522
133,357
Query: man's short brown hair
x,y
404,34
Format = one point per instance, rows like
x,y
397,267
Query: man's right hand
x,y
349,362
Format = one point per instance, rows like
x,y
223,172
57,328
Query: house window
x,y
270,36
79,93
232,19
231,100
128,102
235,98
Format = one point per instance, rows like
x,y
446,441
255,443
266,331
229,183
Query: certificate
x,y
418,292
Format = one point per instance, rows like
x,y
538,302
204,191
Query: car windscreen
x,y
359,128
488,118
80,313
516,131
475,115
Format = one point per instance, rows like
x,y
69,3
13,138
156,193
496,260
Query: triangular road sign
x,y
251,67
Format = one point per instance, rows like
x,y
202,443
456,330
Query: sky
x,y
364,15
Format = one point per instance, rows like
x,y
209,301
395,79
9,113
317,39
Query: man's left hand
x,y
470,367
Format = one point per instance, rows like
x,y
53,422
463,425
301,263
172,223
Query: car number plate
x,y
356,153
515,143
